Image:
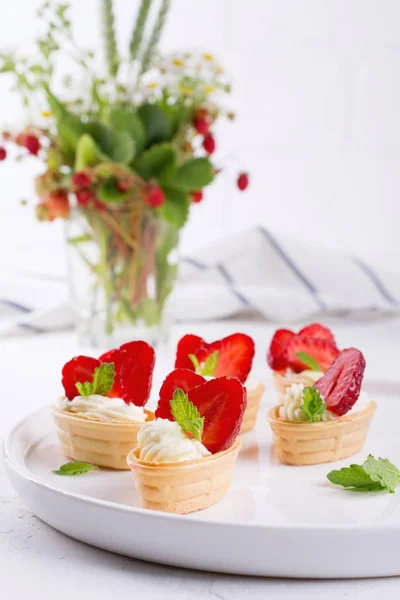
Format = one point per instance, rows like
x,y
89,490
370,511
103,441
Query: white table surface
x,y
38,562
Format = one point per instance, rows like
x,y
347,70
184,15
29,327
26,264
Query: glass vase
x,y
122,269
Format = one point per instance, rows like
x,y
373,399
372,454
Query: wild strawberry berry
x,y
32,144
155,197
197,196
58,204
83,197
209,143
100,205
242,181
125,184
201,125
81,180
3,153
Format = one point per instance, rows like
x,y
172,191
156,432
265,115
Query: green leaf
x,y
186,414
195,174
102,135
109,192
382,471
210,365
354,476
158,162
84,389
79,239
75,468
102,382
313,405
195,361
123,148
175,209
308,360
127,121
156,124
87,153
103,379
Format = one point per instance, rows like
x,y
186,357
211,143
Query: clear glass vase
x,y
123,264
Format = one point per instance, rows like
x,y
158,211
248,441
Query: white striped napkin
x,y
257,271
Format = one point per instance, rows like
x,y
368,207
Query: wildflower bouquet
x,y
126,154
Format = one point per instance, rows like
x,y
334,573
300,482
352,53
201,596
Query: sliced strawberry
x,y
78,370
322,351
136,371
189,344
185,379
340,386
220,401
315,330
235,358
276,353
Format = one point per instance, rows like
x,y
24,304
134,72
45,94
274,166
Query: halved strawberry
x,y
235,358
189,344
220,401
276,353
185,379
78,370
316,330
323,351
341,385
136,368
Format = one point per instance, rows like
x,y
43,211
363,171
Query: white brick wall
x,y
317,91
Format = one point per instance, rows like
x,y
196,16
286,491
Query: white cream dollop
x,y
104,408
163,441
291,411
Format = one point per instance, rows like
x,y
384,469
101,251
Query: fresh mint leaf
x,y
313,404
84,389
382,471
210,365
196,364
308,360
355,477
75,468
186,414
103,380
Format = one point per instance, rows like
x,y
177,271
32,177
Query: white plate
x,y
276,520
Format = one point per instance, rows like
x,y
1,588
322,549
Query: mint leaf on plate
x,y
382,471
186,414
354,476
373,475
75,468
313,405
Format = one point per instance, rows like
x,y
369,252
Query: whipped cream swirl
x,y
163,441
103,408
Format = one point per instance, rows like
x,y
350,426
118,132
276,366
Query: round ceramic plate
x,y
276,520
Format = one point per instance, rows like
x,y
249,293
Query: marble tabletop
x,y
38,561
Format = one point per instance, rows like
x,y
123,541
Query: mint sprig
x,y
208,368
308,360
75,468
186,414
103,380
374,475
313,404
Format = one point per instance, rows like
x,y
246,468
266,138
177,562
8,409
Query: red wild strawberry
x,y
341,385
197,196
242,181
58,204
31,143
221,402
100,205
81,180
155,197
209,143
83,197
201,125
3,153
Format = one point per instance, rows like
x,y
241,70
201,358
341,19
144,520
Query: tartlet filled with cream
x,y
231,356
327,421
184,460
102,411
